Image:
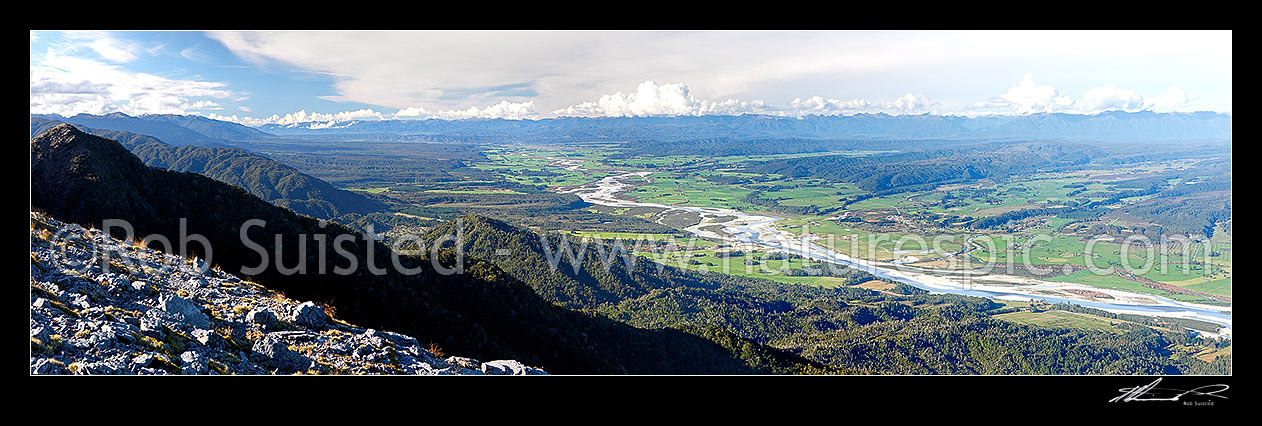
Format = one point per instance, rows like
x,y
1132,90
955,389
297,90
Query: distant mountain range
x,y
1103,127
173,129
1115,126
261,176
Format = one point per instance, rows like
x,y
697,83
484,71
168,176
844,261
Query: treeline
x,y
1077,210
902,171
773,204
721,147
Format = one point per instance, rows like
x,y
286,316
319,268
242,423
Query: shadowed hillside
x,y
483,313
261,176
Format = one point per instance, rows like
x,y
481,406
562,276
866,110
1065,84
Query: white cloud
x,y
454,70
1109,98
817,105
413,112
504,109
302,116
650,99
1027,98
910,103
68,86
1174,100
111,48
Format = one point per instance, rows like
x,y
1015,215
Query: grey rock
x,y
143,360
79,301
372,337
463,362
151,324
510,367
40,332
195,283
261,316
275,350
45,366
117,282
113,365
185,310
111,332
208,338
310,316
150,364
193,363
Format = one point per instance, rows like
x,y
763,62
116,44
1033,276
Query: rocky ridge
x,y
146,312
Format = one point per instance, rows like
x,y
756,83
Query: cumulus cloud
x,y
651,99
1028,98
1109,98
67,86
302,116
504,109
817,105
1174,100
315,120
910,103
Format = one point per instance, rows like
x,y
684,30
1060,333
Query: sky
x,y
285,77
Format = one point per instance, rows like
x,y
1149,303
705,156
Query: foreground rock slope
x,y
104,306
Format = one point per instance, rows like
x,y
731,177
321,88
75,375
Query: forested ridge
x,y
267,179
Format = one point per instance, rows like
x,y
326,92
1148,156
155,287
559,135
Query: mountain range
x,y
1105,127
173,129
263,177
1113,126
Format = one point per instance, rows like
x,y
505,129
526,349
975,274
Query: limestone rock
x,y
310,316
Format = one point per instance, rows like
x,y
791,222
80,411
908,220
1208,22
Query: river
x,y
760,230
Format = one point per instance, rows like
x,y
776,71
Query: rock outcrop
x,y
105,306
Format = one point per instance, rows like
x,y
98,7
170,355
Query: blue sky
x,y
281,77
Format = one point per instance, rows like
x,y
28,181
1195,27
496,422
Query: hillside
x,y
147,312
585,285
903,331
261,176
482,313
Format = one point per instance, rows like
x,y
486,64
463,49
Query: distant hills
x,y
1113,126
173,129
1104,127
261,176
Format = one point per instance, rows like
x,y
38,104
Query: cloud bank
x,y
650,99
1028,97
581,73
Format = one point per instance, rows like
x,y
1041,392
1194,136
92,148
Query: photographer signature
x,y
1151,392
